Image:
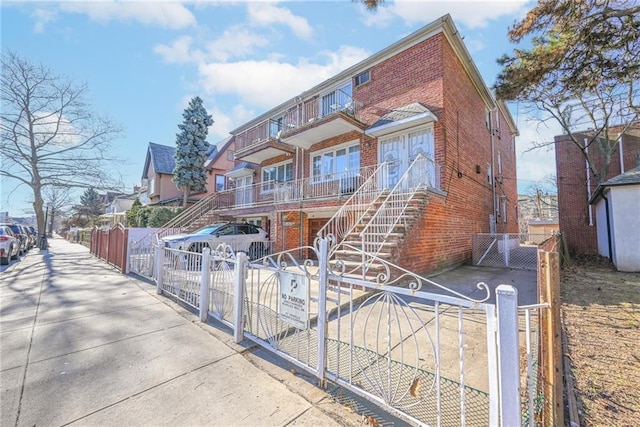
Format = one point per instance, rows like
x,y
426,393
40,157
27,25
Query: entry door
x,y
392,152
400,151
244,196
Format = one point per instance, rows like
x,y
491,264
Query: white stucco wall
x,y
625,210
601,228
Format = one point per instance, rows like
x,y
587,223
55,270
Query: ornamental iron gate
x,y
414,347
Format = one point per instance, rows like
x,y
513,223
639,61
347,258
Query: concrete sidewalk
x,y
82,344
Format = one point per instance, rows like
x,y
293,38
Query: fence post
x,y
506,249
550,335
492,365
323,259
158,267
239,281
205,279
508,355
127,251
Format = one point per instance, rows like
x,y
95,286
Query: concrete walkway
x,y
82,344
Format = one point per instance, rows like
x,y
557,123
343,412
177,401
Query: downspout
x,y
621,156
606,207
493,169
586,162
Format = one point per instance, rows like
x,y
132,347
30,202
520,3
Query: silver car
x,y
242,237
9,245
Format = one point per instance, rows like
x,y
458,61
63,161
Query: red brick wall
x,y
573,207
442,237
430,73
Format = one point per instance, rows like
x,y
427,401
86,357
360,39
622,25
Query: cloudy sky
x,y
144,60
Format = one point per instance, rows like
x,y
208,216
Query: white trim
x,y
407,131
402,125
334,148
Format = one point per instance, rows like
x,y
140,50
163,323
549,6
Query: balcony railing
x,y
299,115
338,184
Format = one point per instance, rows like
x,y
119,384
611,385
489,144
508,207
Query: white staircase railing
x,y
421,174
352,211
188,216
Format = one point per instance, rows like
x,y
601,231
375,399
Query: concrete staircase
x,y
383,240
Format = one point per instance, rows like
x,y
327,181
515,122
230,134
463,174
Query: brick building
x,y
416,112
576,184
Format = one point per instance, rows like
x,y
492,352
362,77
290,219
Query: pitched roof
x,y
402,113
401,118
161,157
630,177
223,144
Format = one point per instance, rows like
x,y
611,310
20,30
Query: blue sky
x,y
144,60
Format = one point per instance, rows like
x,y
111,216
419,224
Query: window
x,y
220,183
362,78
332,165
503,199
231,156
489,173
277,173
152,186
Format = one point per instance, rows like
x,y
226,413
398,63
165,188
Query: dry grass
x,y
601,309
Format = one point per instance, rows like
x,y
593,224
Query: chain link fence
x,y
510,250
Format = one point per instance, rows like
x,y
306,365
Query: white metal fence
x,y
406,343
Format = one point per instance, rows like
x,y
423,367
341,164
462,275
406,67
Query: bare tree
x,y
57,200
593,121
50,137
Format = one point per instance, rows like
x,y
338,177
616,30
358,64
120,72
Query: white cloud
x,y
236,41
43,17
266,83
471,13
227,120
534,164
173,15
179,52
268,14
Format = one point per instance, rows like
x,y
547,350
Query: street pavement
x,y
82,344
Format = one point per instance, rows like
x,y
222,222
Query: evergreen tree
x,y
191,149
90,203
132,215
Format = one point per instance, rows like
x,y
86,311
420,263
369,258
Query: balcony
x,y
320,118
335,185
261,142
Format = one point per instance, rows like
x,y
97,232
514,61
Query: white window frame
x,y
268,185
152,186
357,76
224,182
326,177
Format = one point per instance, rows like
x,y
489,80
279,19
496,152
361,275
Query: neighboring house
x,y
546,226
617,211
116,211
219,162
576,185
538,214
157,174
360,146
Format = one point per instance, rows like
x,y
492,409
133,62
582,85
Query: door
x,y
400,151
243,192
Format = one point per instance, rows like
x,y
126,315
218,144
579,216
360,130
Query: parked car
x,y
21,236
242,237
9,245
31,239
